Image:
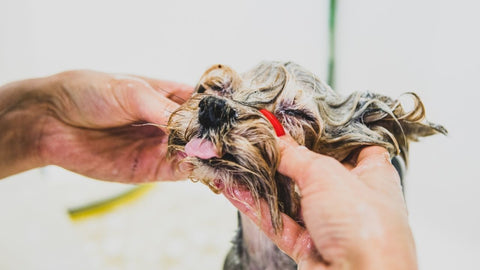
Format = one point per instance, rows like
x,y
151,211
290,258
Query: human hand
x,y
355,214
93,123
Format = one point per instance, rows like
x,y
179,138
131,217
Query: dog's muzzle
x,y
214,112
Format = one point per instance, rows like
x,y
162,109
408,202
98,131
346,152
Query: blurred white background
x,y
391,47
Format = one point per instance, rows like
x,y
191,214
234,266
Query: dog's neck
x,y
262,252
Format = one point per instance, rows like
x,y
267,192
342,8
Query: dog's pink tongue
x,y
201,148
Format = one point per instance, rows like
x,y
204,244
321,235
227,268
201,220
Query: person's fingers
x,y
177,92
294,240
139,99
373,153
374,168
155,108
307,168
143,103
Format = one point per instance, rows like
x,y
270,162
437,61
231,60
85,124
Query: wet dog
x,y
224,132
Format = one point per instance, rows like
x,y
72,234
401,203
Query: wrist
x,y
391,247
394,252
24,106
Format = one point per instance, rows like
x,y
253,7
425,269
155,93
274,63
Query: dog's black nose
x,y
214,112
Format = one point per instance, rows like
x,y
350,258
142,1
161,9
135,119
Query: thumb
x,y
153,107
174,91
308,168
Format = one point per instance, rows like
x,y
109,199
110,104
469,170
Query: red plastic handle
x,y
277,126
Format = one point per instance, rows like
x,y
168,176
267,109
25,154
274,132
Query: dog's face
x,y
230,143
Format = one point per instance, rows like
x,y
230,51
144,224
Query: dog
x,y
224,132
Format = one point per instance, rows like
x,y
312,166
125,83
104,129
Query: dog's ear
x,y
372,119
218,79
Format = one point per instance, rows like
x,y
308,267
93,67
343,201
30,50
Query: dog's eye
x,y
217,88
299,113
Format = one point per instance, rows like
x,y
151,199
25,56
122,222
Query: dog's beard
x,y
246,155
233,146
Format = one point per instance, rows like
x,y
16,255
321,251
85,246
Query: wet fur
x,y
310,111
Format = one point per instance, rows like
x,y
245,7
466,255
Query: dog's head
x,y
221,131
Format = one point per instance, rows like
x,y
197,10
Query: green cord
x,y
331,43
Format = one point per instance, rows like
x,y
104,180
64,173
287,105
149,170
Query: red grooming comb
x,y
277,126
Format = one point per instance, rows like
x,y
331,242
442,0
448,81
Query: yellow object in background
x,y
103,206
